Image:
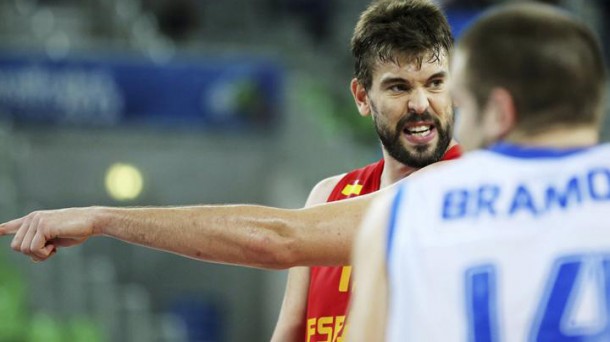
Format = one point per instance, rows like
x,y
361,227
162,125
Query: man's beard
x,y
421,156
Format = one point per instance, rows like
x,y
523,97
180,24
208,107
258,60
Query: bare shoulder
x,y
321,191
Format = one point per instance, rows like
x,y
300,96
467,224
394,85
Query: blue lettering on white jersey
x,y
591,185
506,244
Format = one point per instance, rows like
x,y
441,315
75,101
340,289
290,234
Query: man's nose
x,y
418,102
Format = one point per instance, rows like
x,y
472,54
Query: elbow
x,y
276,252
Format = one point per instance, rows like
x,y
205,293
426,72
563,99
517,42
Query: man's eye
x,y
437,83
398,88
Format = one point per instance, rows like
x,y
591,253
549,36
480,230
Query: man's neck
x,y
393,170
558,137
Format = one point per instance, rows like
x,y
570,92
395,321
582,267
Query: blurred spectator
x,y
316,15
179,19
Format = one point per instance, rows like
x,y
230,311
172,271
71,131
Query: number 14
x,y
561,289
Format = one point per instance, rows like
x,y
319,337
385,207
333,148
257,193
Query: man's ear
x,y
500,114
360,97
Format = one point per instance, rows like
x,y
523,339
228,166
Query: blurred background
x,y
173,102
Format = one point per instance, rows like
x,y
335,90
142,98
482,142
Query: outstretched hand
x,y
40,233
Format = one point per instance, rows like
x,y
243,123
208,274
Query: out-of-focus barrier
x,y
230,92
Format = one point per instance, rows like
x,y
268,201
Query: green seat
x,y
13,322
84,329
45,328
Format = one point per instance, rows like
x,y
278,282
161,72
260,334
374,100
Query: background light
x,y
124,182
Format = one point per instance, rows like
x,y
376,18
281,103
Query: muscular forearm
x,y
247,235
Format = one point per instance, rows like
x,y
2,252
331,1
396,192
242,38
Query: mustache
x,y
413,118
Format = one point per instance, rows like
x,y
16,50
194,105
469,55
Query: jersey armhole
x,y
323,190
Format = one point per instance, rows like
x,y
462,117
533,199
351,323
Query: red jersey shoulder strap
x,y
367,179
358,182
453,153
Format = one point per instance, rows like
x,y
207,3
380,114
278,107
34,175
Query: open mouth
x,y
420,132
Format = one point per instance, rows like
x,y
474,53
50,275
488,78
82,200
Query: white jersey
x,y
505,244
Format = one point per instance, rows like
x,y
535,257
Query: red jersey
x,y
330,286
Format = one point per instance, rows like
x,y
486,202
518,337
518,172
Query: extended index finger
x,y
11,227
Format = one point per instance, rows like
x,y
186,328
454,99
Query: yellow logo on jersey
x,y
333,329
352,189
346,274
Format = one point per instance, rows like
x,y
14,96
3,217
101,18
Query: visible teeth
x,y
422,134
419,129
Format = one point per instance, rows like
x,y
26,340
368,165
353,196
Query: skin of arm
x,y
247,235
368,312
291,322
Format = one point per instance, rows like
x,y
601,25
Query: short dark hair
x,y
388,28
550,62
